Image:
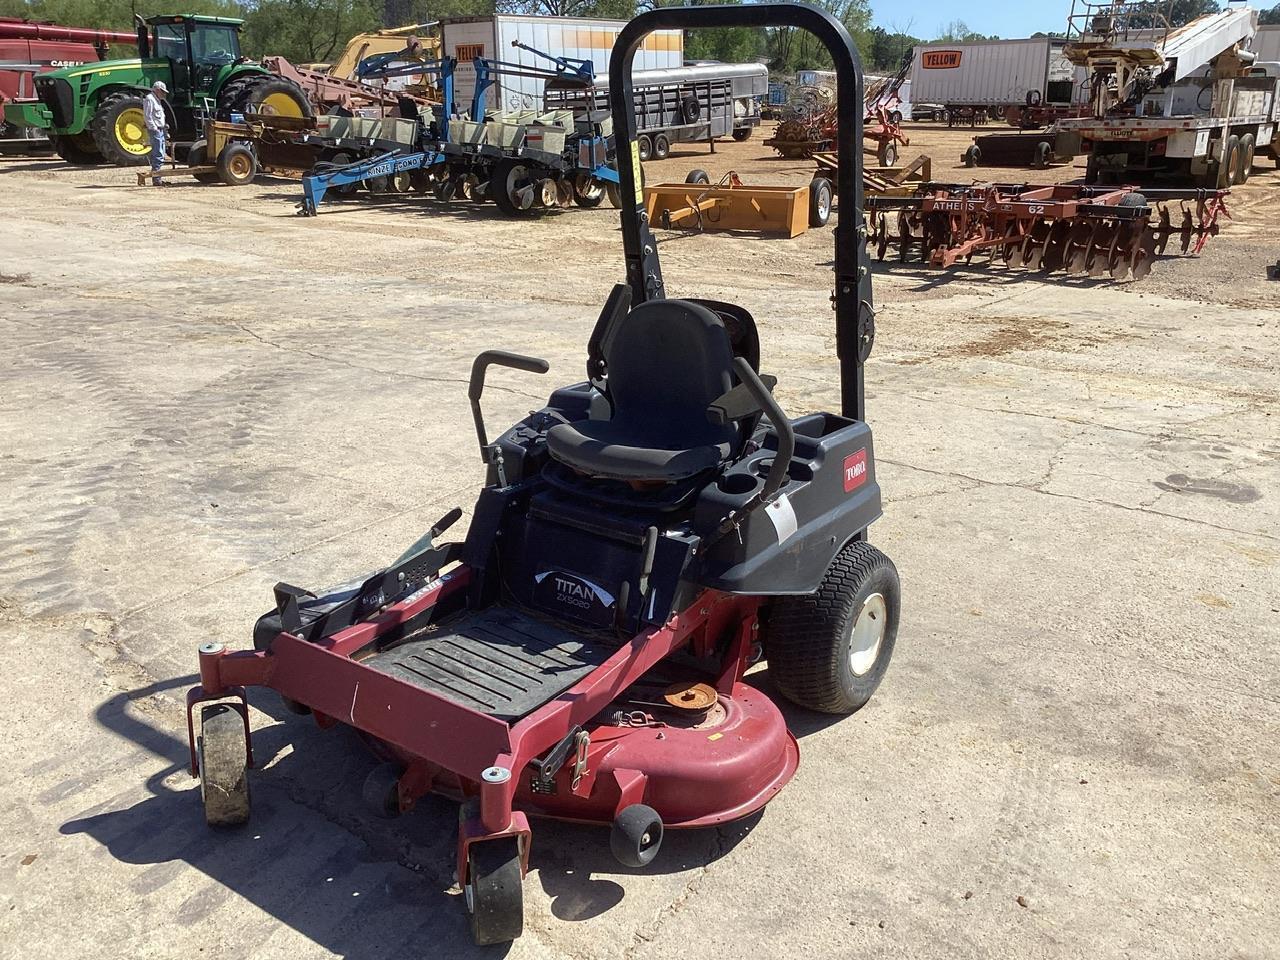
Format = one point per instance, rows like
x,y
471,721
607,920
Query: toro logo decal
x,y
855,470
941,59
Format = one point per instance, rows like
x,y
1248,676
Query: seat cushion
x,y
599,447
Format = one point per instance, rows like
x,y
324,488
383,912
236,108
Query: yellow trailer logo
x,y
941,59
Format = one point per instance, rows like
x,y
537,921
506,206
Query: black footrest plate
x,y
500,661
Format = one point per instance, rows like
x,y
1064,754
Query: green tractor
x,y
94,112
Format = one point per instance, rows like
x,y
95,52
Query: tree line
x,y
308,31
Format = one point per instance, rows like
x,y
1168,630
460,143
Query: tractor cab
x,y
198,49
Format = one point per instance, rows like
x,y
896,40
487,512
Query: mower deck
x,y
499,661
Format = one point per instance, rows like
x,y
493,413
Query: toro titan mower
x,y
638,544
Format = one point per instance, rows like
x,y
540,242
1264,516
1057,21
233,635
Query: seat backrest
x,y
669,359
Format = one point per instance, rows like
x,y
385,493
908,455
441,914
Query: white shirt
x,y
153,113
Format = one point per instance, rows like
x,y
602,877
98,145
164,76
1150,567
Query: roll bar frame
x,y
855,316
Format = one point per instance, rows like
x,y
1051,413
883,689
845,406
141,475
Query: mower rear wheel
x,y
829,650
494,894
223,757
636,835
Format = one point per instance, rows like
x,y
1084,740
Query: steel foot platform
x,y
501,661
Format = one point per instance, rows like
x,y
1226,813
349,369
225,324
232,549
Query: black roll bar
x,y
855,318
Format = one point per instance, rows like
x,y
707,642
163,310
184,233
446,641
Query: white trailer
x,y
1189,103
1000,77
466,38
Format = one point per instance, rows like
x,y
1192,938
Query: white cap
x,y
159,85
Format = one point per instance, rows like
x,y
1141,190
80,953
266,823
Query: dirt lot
x,y
1075,752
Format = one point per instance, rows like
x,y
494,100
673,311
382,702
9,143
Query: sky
x,y
1007,19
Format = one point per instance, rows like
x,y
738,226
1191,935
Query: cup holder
x,y
738,483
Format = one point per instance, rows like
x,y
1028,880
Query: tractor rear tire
x,y
828,651
120,131
266,94
198,156
78,149
237,165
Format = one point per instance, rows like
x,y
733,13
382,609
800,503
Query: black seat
x,y
668,361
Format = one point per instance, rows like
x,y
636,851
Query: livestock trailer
x,y
677,105
575,38
1023,81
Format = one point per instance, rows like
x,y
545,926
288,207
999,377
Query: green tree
x,y
306,31
957,31
1269,16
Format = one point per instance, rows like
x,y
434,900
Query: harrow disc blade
x,y
1055,246
1143,254
882,236
1099,246
1163,231
904,237
1075,253
1120,253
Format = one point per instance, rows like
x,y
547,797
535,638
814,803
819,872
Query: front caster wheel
x,y
636,835
223,756
381,790
494,896
829,650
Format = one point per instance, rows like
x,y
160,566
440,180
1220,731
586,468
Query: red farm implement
x,y
1115,231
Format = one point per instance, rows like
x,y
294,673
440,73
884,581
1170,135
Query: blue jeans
x,y
157,151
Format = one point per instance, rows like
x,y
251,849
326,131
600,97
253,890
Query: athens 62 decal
x,y
855,470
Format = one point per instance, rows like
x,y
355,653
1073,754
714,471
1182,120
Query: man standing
x,y
153,116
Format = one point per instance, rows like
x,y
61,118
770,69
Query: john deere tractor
x,y
94,112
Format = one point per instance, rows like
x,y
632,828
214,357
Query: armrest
x,y
738,403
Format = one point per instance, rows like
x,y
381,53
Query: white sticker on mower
x,y
783,517
570,588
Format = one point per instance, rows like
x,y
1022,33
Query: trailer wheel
x,y
697,176
587,191
742,134
493,891
973,156
661,147
198,156
896,117
644,147
237,165
1247,149
1040,158
887,153
223,766
1229,170
828,651
819,201
513,186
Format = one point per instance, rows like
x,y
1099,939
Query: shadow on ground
x,y
316,858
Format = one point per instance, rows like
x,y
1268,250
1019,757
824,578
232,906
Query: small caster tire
x,y
223,758
381,790
636,835
820,195
494,894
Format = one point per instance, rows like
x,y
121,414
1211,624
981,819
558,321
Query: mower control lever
x,y
781,425
482,363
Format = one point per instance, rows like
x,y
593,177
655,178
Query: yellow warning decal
x,y
635,169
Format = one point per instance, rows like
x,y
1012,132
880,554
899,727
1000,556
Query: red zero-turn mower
x,y
638,543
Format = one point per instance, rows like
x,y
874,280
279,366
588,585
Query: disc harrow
x,y
1098,231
